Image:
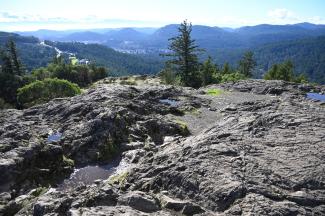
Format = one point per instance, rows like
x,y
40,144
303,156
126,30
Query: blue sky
x,y
22,15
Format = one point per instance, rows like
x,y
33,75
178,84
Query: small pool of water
x,y
88,174
316,96
54,137
169,102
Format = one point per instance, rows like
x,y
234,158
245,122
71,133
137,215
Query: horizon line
x,y
158,27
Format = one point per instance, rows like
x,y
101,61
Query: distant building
x,y
75,61
84,62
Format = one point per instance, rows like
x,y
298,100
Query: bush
x,y
43,91
82,75
167,76
285,71
98,73
232,77
282,71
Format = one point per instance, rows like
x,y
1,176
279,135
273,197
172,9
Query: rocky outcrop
x,y
258,148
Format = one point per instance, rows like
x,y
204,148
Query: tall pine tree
x,y
15,62
209,72
10,73
184,56
247,64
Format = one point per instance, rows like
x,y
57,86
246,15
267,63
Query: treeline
x,y
307,55
184,68
59,79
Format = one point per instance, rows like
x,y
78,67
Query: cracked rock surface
x,y
256,149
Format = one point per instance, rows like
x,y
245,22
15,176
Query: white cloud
x,y
285,16
281,14
6,17
316,20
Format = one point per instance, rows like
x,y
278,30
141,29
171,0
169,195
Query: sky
x,y
29,15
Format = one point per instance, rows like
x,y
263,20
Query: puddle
x,y
316,96
88,174
169,102
54,137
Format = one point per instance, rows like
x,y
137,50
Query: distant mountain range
x,y
219,37
303,43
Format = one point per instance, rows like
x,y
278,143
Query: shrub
x,y
285,71
82,75
167,76
232,77
282,71
98,73
43,91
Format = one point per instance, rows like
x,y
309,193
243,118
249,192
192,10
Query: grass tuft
x,y
215,92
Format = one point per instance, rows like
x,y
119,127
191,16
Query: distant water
x,y
169,102
54,137
316,96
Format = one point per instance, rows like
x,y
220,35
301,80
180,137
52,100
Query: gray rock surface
x,y
256,149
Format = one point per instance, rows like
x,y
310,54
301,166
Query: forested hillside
x,y
31,52
34,54
118,63
308,56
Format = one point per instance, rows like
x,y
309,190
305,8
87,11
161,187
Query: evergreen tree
x,y
209,72
168,75
10,73
282,71
226,69
247,64
184,56
286,71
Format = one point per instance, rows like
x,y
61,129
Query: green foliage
x,y
209,72
11,74
41,73
282,71
301,78
232,77
82,75
215,92
31,53
168,75
307,55
227,69
247,64
184,56
15,62
43,91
